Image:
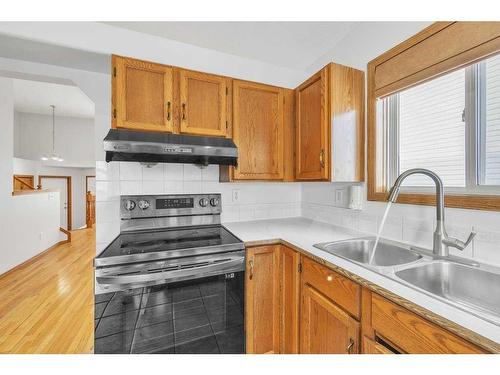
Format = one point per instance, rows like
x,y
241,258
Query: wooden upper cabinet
x,y
142,95
312,138
330,133
262,307
203,103
324,327
289,300
347,117
258,127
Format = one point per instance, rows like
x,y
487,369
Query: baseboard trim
x,y
32,259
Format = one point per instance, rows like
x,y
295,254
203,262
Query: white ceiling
x,y
296,45
36,97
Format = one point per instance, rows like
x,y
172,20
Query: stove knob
x,y
203,202
129,205
144,204
214,202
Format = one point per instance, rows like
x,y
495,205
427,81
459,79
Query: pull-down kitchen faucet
x,y
442,241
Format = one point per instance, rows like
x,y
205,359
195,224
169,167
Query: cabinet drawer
x,y
373,347
338,288
412,333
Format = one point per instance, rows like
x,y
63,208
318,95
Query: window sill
x,y
472,201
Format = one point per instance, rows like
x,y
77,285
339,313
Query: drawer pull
x,y
251,269
350,346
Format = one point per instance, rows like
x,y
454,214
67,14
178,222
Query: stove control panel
x,y
142,206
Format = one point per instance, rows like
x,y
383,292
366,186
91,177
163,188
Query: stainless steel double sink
x,y
465,284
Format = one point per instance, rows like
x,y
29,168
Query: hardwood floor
x,y
47,305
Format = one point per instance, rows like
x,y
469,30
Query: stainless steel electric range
x,y
172,281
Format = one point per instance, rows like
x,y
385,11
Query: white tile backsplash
x,y
192,172
256,200
107,171
210,173
153,187
130,171
130,187
174,172
107,190
408,223
153,172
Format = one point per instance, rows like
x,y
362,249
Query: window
x,y
451,125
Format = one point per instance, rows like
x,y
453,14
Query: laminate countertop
x,y
302,234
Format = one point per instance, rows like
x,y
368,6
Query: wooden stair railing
x,y
90,210
67,233
22,182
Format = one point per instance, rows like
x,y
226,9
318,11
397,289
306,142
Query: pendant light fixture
x,y
53,156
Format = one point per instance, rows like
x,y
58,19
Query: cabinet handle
x,y
250,263
183,111
322,158
350,346
168,111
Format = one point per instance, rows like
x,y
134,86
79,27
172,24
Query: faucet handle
x,y
456,243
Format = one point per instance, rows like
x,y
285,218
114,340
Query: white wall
x,y
74,138
29,224
78,193
413,224
106,39
256,200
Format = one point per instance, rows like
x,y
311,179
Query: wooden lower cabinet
x,y
289,300
324,327
412,334
372,347
294,304
262,312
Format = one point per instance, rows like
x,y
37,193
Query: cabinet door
x,y
313,128
289,300
258,131
324,327
262,312
141,95
203,103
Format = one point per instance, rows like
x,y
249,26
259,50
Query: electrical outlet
x,y
339,196
40,236
236,195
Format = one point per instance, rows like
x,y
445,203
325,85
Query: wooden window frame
x,y
413,77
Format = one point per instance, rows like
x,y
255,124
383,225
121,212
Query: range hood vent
x,y
151,147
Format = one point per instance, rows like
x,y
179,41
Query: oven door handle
x,y
232,265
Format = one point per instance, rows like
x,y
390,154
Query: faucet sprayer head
x,y
393,194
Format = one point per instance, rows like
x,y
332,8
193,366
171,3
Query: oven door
x,y
200,313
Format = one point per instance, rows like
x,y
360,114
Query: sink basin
x,y
464,285
360,250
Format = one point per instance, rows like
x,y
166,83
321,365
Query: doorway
x,y
63,185
90,201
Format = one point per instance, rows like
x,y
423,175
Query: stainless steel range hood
x,y
151,147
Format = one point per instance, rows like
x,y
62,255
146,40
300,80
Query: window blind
x,y
492,121
432,130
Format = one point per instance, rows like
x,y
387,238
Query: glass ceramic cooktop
x,y
168,239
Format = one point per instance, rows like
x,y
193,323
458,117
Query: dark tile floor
x,y
181,318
